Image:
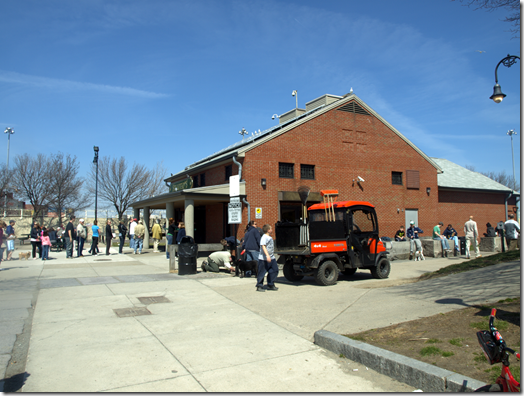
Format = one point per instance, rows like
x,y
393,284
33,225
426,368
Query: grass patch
x,y
480,358
508,300
432,341
447,354
456,341
469,265
357,338
499,324
430,350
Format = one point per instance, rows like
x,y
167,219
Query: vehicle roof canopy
x,y
342,204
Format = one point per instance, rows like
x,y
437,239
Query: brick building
x,y
330,144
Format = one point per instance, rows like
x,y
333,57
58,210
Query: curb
x,y
420,375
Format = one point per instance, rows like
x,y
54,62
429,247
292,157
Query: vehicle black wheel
x,y
382,269
349,271
327,273
290,274
490,388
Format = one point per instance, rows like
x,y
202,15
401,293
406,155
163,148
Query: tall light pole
x,y
295,94
512,132
9,132
95,161
508,61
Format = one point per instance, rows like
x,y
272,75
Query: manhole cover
x,y
153,300
126,312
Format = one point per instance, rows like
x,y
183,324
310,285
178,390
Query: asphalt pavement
x,y
123,323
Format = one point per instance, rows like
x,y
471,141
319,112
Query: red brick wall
x,y
455,207
214,222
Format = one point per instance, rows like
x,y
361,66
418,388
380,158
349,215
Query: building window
x,y
202,180
307,172
229,172
286,170
195,181
396,178
413,179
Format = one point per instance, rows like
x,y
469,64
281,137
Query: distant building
x,y
329,145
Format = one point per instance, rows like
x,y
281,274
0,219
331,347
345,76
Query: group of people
x,y
511,227
257,245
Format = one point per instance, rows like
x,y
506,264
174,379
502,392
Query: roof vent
x,y
322,100
353,107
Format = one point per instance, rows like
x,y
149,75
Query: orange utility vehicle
x,y
338,237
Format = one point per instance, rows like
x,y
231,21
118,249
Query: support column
x,y
146,225
170,212
189,217
136,214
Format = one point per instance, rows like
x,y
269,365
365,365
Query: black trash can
x,y
462,243
187,256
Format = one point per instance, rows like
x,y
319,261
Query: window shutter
x,y
412,179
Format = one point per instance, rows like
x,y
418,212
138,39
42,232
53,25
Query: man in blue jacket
x,y
414,240
251,241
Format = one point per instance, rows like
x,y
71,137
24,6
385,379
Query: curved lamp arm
x,y
508,61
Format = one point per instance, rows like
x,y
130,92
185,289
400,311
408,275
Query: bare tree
x,y
120,185
512,6
32,176
500,177
66,186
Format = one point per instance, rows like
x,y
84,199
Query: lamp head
x,y
497,94
96,149
294,93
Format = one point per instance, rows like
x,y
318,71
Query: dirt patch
x,y
449,340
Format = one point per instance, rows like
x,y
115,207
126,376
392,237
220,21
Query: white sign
x,y
234,213
258,213
234,186
234,199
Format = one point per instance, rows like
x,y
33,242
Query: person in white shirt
x,y
266,261
512,231
472,235
217,260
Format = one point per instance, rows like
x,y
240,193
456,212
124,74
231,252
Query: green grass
x,y
447,354
494,372
432,341
499,324
480,358
507,300
469,265
456,341
430,350
357,338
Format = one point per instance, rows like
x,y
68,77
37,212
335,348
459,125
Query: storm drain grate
x,y
102,260
127,312
153,300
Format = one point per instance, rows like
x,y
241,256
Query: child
x,y
266,261
46,244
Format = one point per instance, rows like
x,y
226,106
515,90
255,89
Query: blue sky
x,y
175,81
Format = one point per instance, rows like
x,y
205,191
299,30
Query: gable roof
x,y
456,176
240,148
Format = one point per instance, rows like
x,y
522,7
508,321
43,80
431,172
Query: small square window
x,y
286,170
307,172
396,178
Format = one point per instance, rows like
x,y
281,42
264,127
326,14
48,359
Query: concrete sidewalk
x,y
123,323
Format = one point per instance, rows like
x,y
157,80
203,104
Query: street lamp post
x,y
508,61
9,132
95,161
512,132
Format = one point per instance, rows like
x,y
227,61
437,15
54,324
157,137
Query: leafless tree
x,y
32,176
500,177
66,186
512,6
121,185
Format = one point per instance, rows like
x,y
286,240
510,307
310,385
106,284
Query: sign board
x,y
258,213
181,185
234,213
234,186
234,199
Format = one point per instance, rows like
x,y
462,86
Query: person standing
x,y
140,231
2,239
122,231
251,241
512,231
95,229
157,236
180,234
472,235
132,234
171,231
81,232
35,240
443,240
414,242
46,245
10,242
266,261
69,237
109,236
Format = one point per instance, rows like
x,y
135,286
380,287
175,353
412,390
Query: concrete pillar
x,y
146,225
189,217
136,214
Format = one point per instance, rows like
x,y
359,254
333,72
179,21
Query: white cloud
x,y
67,85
